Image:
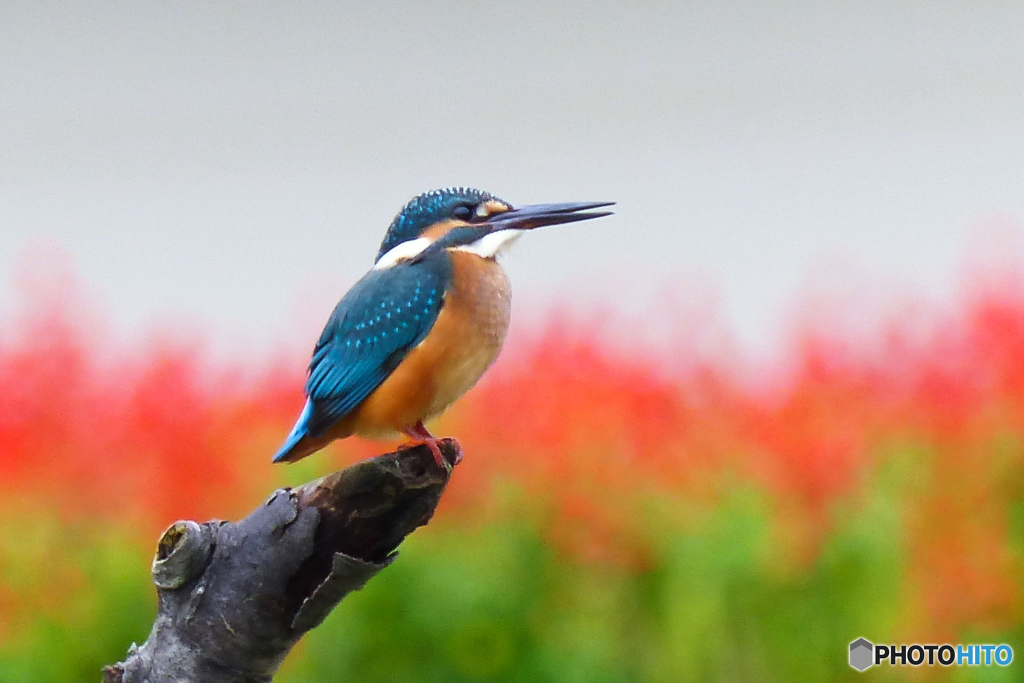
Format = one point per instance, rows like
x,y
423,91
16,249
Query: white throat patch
x,y
402,252
492,244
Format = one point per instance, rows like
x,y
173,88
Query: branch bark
x,y
235,597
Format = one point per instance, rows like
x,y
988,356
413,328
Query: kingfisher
x,y
423,325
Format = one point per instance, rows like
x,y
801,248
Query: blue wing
x,y
383,317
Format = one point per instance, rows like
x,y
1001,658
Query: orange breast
x,y
465,340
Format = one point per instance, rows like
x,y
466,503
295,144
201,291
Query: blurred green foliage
x,y
79,596
493,599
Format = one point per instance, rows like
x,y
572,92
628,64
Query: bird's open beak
x,y
540,215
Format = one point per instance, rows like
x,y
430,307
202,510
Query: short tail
x,y
299,443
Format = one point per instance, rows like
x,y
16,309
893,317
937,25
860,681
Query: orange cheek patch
x,y
439,230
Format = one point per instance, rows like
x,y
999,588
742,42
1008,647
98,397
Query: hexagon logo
x,y
861,654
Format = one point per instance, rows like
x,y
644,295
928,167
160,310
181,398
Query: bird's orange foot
x,y
419,436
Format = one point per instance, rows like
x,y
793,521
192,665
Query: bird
x,y
420,328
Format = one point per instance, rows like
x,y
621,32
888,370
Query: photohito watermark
x,y
864,654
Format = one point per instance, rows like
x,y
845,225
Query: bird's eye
x,y
463,212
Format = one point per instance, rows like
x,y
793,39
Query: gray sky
x,y
231,166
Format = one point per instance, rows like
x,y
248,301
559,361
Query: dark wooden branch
x,y
234,598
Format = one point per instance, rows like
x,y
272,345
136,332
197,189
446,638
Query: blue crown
x,y
426,210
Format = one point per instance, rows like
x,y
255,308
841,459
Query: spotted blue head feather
x,y
426,210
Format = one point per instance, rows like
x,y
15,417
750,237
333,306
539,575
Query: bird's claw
x,y
439,458
419,436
